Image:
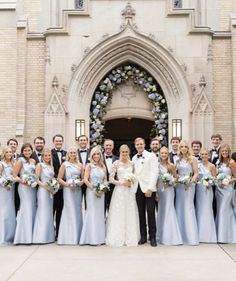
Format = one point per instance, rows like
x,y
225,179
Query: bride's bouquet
x,y
29,179
101,188
223,180
52,185
7,182
75,182
167,180
186,180
130,178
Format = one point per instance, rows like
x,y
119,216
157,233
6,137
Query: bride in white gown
x,y
123,220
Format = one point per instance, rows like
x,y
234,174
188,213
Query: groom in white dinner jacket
x,y
146,171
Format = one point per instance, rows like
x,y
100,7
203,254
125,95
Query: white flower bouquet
x,y
167,179
101,188
75,182
7,182
208,181
29,179
52,185
186,180
223,180
130,178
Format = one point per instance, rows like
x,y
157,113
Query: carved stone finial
x,y
202,81
55,82
128,12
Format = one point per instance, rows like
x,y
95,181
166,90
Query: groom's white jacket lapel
x,y
146,171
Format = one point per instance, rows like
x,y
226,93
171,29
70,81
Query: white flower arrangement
x,y
52,185
223,180
208,181
75,182
130,178
7,182
101,188
186,180
29,179
143,80
167,179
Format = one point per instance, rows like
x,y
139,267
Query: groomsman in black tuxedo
x,y
58,157
83,153
109,158
216,140
175,141
196,146
155,146
39,143
13,143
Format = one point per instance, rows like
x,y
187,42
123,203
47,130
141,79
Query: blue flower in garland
x,y
103,95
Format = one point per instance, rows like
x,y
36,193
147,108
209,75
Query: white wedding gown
x,y
123,220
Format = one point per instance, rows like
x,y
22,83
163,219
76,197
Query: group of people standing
x,y
164,197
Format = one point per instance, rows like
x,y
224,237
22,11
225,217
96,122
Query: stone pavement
x,y
84,263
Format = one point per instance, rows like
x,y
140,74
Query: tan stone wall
x,y
8,52
35,91
222,88
225,8
234,83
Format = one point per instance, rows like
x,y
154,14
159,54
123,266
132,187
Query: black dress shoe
x,y
153,242
142,241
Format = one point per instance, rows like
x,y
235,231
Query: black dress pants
x,y
57,208
146,204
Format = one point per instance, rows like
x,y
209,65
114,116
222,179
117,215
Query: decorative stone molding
x,y
210,53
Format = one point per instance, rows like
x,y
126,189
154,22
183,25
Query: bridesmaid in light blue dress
x,y
93,232
43,227
186,165
168,232
7,205
71,219
225,217
204,198
27,194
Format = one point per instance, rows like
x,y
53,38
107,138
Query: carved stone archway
x,y
129,45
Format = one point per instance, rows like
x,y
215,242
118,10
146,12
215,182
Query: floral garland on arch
x,y
103,96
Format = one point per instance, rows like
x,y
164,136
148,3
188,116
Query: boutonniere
x,y
63,157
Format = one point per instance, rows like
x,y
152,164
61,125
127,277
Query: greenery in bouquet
x,y
7,182
101,188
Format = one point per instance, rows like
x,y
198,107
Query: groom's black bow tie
x,y
140,155
81,151
214,149
59,150
174,154
108,156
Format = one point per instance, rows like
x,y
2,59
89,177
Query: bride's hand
x,y
127,183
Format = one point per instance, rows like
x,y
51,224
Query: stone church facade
x,y
54,55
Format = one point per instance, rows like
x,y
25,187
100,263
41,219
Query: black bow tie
x,y
157,155
140,155
174,154
214,149
59,151
108,156
82,151
197,156
39,154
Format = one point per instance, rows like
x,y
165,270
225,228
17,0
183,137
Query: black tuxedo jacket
x,y
215,159
171,156
114,158
35,157
234,156
55,160
80,158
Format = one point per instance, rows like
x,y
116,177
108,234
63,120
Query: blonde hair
x,y
100,162
124,146
221,159
73,148
47,150
3,155
189,156
168,164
